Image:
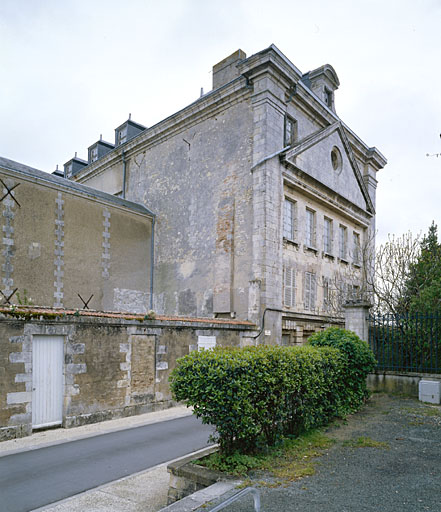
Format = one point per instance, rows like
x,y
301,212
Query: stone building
x,y
67,245
264,197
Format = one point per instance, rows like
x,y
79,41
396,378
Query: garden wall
x,y
112,365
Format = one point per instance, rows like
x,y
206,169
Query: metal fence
x,y
409,343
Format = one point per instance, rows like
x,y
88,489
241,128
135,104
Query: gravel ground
x,y
404,476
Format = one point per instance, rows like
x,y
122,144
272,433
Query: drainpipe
x,y
152,261
124,175
262,325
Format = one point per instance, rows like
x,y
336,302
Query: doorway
x,y
47,381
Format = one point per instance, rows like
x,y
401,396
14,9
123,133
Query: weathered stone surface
x,y
217,175
64,243
187,477
112,368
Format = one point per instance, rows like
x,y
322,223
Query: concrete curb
x,y
199,498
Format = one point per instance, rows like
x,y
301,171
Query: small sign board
x,y
206,342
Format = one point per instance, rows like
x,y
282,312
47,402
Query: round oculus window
x,y
336,159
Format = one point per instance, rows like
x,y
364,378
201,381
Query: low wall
x,y
115,365
187,477
398,382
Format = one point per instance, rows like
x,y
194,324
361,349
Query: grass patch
x,y
290,460
424,414
365,442
431,411
424,410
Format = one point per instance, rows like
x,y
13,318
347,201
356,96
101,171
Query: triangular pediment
x,y
327,157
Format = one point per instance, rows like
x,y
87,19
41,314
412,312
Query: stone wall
x,y
193,171
398,383
114,365
62,240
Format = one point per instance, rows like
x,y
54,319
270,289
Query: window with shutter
x,y
343,242
310,291
289,291
289,219
356,248
327,236
310,228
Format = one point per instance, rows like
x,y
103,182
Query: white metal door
x,y
47,380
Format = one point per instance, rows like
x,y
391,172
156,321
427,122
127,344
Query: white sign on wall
x,y
206,342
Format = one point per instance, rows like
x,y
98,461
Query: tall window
x,y
290,131
289,219
327,236
310,228
343,241
310,291
356,248
326,294
289,288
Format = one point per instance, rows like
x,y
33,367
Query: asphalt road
x,y
32,479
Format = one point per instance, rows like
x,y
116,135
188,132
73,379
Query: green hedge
x,y
359,360
256,395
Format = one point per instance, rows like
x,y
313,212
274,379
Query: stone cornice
x,y
272,61
309,186
205,107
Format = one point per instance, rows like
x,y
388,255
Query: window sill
x,y
328,255
310,249
356,264
342,260
288,241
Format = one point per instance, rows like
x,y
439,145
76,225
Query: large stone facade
x,y
264,198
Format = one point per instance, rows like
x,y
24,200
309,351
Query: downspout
x,y
124,175
152,261
262,325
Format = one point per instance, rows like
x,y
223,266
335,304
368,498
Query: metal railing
x,y
237,496
409,343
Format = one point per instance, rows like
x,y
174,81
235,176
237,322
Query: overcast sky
x,y
72,70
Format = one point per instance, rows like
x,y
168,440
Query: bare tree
x,y
393,262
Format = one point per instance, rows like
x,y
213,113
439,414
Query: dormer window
x,y
122,135
74,166
126,131
94,154
99,149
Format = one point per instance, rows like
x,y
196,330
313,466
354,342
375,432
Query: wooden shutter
x,y
289,286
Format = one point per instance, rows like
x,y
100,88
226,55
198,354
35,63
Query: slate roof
x,y
71,186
